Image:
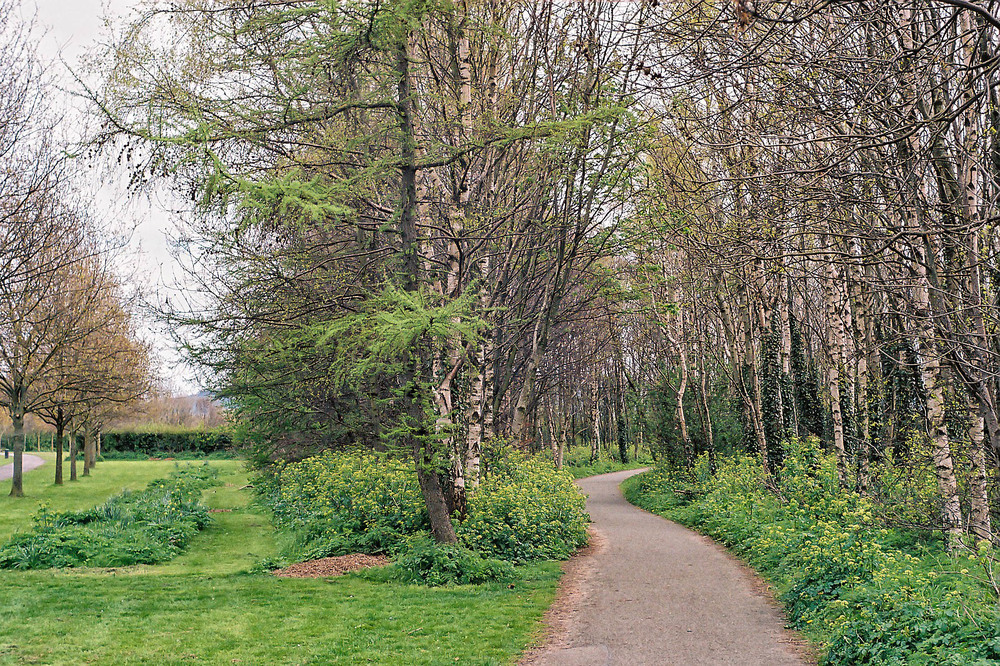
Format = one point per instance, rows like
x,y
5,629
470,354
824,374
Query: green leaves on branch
x,y
382,335
391,326
290,197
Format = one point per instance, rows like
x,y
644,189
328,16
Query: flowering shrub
x,y
522,510
842,579
339,503
525,510
145,527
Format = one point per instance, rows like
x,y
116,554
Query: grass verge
x,y
108,478
259,619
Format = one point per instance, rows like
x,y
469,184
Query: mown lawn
x,y
203,608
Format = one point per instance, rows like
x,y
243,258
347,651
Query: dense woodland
x,y
702,227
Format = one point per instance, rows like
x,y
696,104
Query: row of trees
x,y
426,224
69,351
824,196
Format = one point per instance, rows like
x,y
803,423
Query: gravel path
x,y
28,462
657,593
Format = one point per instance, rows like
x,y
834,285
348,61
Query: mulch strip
x,y
332,566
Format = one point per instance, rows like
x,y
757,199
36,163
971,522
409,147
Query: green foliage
x,y
524,510
166,443
577,462
776,397
346,371
905,490
843,578
806,385
900,394
440,564
225,454
661,418
346,502
337,503
145,527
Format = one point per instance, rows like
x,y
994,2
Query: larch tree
x,y
400,172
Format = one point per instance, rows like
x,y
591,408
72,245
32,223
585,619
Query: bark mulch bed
x,y
332,566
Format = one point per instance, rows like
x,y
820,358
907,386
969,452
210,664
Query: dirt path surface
x,y
654,592
28,462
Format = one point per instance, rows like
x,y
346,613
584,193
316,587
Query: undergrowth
x,y
870,594
522,510
578,462
440,564
144,527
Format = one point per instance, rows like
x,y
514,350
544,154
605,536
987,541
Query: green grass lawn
x,y
202,608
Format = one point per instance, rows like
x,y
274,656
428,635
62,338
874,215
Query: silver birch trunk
x,y
835,327
979,500
595,413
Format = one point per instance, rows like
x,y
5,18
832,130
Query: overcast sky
x,y
70,29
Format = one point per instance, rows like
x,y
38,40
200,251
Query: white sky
x,y
71,28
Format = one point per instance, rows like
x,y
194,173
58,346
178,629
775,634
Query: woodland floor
x,y
653,592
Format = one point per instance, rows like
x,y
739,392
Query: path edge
x,y
25,467
572,588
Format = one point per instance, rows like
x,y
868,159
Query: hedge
x,y
202,442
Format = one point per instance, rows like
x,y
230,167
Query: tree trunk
x,y
595,409
17,478
87,444
930,368
72,456
979,501
930,376
555,434
90,452
836,328
475,418
622,420
678,344
420,444
60,434
751,343
561,452
706,413
522,424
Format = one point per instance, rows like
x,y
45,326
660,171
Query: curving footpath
x,y
658,593
28,462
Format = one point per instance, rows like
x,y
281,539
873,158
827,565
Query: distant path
x,y
657,593
28,462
